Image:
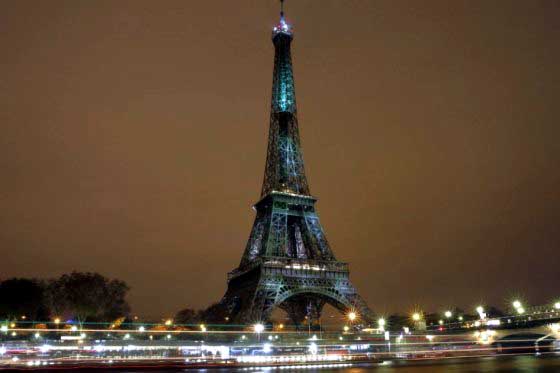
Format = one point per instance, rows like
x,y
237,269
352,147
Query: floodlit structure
x,y
287,262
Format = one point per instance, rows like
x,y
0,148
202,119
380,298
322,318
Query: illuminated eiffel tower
x,y
288,262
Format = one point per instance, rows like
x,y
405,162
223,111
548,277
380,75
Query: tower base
x,y
299,287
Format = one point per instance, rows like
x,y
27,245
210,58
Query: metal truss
x,y
288,262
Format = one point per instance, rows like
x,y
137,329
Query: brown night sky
x,y
134,136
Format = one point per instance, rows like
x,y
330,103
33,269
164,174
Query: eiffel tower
x,y
287,262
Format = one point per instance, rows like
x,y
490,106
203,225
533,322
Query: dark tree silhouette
x,y
493,311
397,322
22,297
214,314
87,297
187,316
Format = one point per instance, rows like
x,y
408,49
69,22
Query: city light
x,y
480,309
258,328
346,328
557,305
57,321
313,349
520,310
352,316
141,329
516,304
381,323
448,314
485,337
168,322
416,316
202,327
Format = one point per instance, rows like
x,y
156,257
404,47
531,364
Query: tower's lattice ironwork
x,y
287,262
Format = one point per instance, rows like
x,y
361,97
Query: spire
x,y
284,170
282,27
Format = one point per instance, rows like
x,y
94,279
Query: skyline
x,y
138,138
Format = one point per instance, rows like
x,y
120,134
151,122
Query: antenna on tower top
x,y
282,27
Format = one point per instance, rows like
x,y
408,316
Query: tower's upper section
x,y
284,170
283,91
282,27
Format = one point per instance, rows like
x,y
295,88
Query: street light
x,y
258,328
352,316
481,312
416,316
381,323
516,304
520,310
448,314
557,305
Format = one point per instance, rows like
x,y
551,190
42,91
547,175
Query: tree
x,y
22,297
187,316
215,313
397,322
87,297
493,311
